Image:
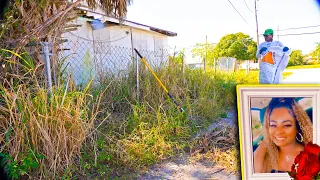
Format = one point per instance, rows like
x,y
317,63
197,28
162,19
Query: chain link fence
x,y
226,64
85,60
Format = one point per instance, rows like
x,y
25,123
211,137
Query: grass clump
x,y
140,133
109,128
41,133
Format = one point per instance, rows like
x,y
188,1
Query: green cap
x,y
268,32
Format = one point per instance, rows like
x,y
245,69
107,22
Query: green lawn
x,y
304,66
256,73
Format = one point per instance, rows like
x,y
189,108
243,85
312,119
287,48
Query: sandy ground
x,y
182,167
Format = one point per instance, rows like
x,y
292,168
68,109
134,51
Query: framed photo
x,y
275,122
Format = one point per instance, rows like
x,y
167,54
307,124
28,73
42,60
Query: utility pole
x,y
205,59
255,12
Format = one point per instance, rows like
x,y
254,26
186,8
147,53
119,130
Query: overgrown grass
x,y
104,130
48,131
41,131
138,134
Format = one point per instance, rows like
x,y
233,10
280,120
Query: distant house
x,y
311,60
247,64
90,51
195,65
193,62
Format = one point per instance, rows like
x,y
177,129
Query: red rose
x,y
308,166
312,148
293,172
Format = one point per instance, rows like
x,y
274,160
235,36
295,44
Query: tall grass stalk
x,y
54,127
140,133
93,131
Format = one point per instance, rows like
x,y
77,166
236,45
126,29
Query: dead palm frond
x,y
34,21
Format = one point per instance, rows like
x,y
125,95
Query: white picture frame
x,y
244,93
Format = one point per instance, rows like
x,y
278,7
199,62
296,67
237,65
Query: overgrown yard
x,y
106,129
136,135
103,131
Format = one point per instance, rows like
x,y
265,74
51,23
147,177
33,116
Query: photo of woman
x,y
281,128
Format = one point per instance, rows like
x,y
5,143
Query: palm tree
x,y
46,19
28,22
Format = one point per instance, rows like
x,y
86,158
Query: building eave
x,y
104,18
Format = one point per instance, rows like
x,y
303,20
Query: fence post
x,y
204,65
54,67
182,59
228,64
215,65
134,57
46,55
137,77
248,66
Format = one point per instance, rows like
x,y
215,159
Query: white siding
x,y
95,53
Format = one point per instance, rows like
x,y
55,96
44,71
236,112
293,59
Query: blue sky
x,y
216,18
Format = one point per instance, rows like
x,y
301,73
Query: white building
x,y
95,52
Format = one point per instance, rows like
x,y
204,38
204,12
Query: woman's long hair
x,y
303,124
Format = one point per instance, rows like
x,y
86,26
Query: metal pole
x,y
214,65
46,53
173,58
132,52
137,78
257,30
205,59
228,64
182,59
134,57
247,67
54,67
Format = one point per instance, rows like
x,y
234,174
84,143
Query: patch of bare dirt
x,y
182,168
221,134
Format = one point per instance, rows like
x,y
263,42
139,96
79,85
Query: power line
x,y
299,27
257,26
239,13
100,41
307,33
247,6
299,34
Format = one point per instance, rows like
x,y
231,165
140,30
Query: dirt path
x,y
183,167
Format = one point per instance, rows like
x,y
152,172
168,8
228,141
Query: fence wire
x,y
226,64
86,60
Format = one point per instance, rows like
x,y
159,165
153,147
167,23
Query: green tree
x,y
296,58
204,50
178,58
316,53
238,45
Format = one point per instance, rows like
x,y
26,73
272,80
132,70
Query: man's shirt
x,y
268,44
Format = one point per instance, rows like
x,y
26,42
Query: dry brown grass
x,y
219,147
55,126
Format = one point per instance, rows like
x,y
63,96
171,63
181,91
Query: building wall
x,y
97,53
248,64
